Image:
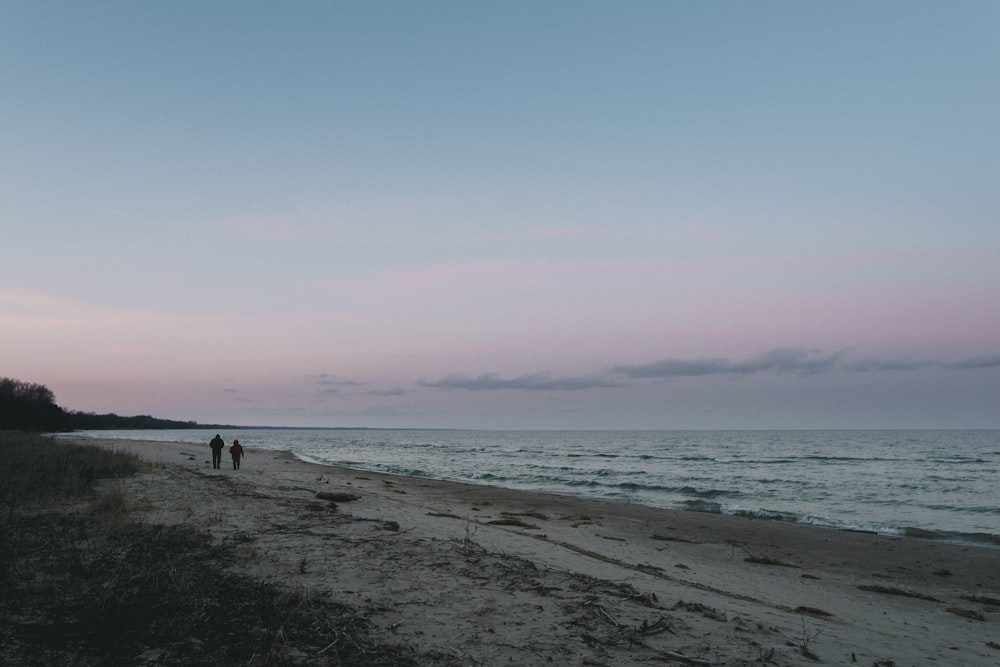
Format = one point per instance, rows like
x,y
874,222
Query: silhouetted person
x,y
237,451
217,445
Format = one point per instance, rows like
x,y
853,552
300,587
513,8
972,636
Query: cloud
x,y
891,363
798,361
532,382
912,363
326,393
330,385
982,361
386,392
785,361
782,360
326,379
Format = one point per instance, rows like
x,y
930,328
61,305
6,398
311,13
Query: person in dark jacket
x,y
217,445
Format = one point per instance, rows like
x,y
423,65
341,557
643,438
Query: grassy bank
x,y
37,469
85,583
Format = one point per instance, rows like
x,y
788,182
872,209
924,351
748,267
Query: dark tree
x,y
25,406
88,421
28,406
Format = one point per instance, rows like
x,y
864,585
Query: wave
x,y
953,509
741,460
703,506
708,493
635,487
488,477
978,539
626,457
608,472
975,539
791,460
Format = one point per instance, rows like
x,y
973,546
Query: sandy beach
x,y
477,575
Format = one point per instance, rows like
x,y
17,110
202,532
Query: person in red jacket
x,y
237,451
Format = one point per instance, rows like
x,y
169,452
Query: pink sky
x,y
339,214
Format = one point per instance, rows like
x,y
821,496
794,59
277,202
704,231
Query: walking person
x,y
217,445
237,452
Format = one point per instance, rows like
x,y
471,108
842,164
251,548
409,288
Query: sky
x,y
505,215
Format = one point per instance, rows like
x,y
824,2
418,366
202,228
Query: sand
x,y
487,576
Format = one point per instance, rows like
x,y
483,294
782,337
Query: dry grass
x,y
670,538
971,614
488,607
338,496
763,560
512,521
814,611
533,515
110,510
37,468
902,592
982,599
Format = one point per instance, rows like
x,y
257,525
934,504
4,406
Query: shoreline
x,y
984,540
515,577
905,515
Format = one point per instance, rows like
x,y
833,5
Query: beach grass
x,y
36,468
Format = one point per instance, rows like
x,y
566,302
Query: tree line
x,y
27,406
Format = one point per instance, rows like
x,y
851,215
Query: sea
x,y
934,484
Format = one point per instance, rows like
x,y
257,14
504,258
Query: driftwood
x,y
337,497
512,521
679,657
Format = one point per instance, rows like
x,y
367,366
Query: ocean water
x,y
933,484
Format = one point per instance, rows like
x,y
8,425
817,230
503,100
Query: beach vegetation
x,y
805,641
111,510
338,496
532,515
512,521
111,500
704,610
971,614
248,554
671,538
37,468
488,607
893,590
813,611
764,560
982,599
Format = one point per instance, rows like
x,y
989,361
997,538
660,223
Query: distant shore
x,y
494,576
